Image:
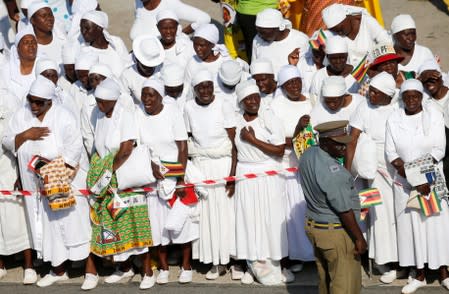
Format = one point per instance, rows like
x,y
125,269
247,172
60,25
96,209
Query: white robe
x,y
53,50
133,81
180,53
420,55
420,238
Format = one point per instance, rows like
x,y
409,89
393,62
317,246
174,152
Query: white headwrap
x,y
272,18
167,14
261,66
412,85
246,88
333,15
335,45
230,72
155,84
202,76
43,88
385,83
35,7
99,18
209,32
430,64
19,36
402,22
148,50
173,75
333,86
108,90
45,64
69,52
288,72
101,69
84,61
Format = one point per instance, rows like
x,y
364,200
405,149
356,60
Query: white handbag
x,y
364,163
136,171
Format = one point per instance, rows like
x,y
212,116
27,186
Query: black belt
x,y
324,226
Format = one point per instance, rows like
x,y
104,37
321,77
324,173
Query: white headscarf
x,y
335,45
155,84
167,14
173,75
333,86
99,18
246,88
108,90
45,64
202,76
333,15
430,64
412,85
288,72
385,83
35,7
272,18
402,22
101,69
261,66
43,88
209,32
230,72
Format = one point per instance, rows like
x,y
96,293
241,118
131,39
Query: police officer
x,y
333,208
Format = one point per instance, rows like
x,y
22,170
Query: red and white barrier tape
x,y
85,192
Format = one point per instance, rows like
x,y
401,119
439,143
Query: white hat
x,y
69,52
246,88
35,7
108,89
208,32
173,75
333,86
202,76
333,15
155,84
385,83
269,18
167,14
19,36
335,45
99,18
402,22
101,69
85,60
288,72
429,64
148,50
45,64
230,72
412,85
24,4
42,88
261,66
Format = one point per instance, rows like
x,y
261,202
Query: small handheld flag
x,y
361,69
370,197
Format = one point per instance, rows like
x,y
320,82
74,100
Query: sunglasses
x,y
37,102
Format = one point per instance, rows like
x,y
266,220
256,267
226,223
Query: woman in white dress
x,y
370,118
14,236
261,229
210,122
293,107
46,129
412,132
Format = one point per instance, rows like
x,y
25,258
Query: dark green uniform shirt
x,y
328,187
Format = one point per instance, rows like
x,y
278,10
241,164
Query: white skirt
x,y
421,240
217,215
14,236
382,239
159,210
261,229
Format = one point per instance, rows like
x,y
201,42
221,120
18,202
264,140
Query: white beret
x,y
335,45
288,72
385,83
333,86
108,89
230,72
202,76
246,88
261,66
333,15
269,18
402,22
412,85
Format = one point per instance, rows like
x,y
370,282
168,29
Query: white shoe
x,y
118,275
215,271
185,276
236,272
2,273
29,276
287,276
412,286
389,277
147,282
445,283
162,278
51,278
296,268
247,278
90,282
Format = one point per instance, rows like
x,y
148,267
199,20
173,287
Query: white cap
x,y
42,88
333,86
207,32
108,89
261,66
45,64
148,50
230,72
101,69
35,6
202,76
99,18
385,83
85,60
412,85
288,72
156,84
269,18
333,15
173,75
246,88
429,64
167,14
335,45
402,22
25,32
